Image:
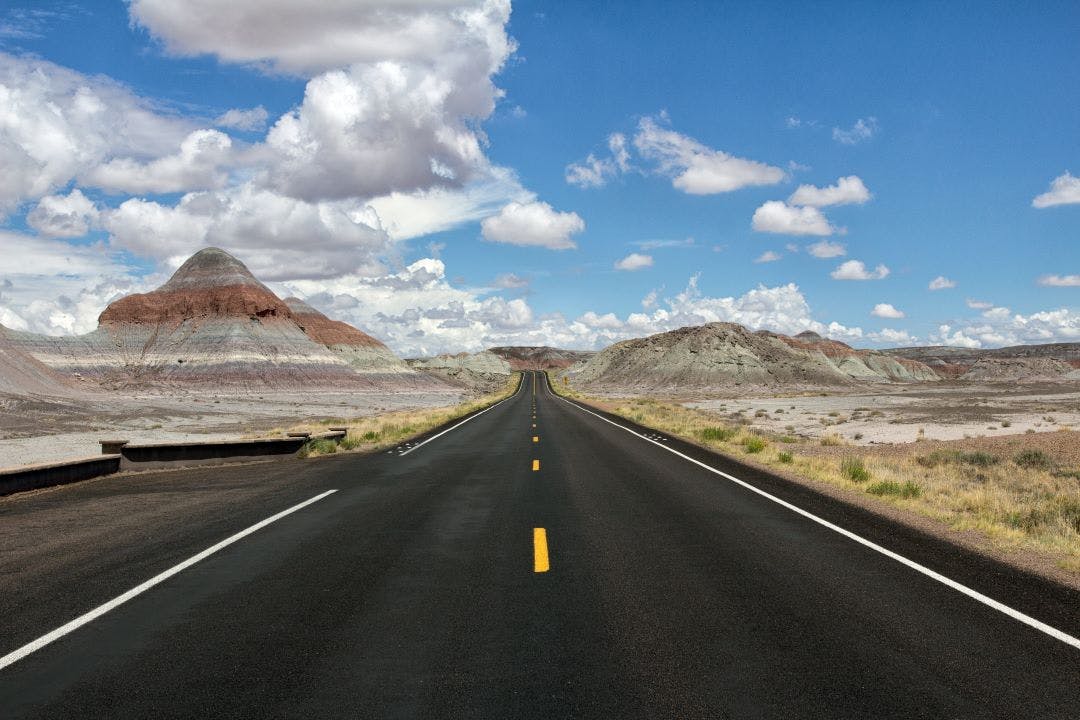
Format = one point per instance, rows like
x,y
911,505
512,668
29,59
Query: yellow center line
x,y
541,562
536,438
536,465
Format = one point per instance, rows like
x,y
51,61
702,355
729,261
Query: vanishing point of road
x,y
537,560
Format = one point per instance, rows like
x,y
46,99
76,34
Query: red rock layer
x,y
173,307
323,330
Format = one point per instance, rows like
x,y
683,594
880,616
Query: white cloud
x,y
305,39
885,310
535,224
63,216
1060,281
1064,190
826,249
510,281
999,326
56,124
634,261
776,216
768,256
862,130
697,169
238,119
889,336
595,172
856,270
941,283
658,244
198,165
847,191
978,304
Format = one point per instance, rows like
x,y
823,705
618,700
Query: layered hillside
x,y
213,323
22,374
481,371
362,352
955,363
539,357
726,355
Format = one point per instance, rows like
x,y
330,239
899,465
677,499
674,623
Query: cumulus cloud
x,y
198,165
826,249
978,304
695,168
63,216
885,310
889,336
510,281
856,270
238,119
768,256
847,191
1064,190
57,124
1000,326
634,261
941,283
862,130
1060,281
535,224
776,216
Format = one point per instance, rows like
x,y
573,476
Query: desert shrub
x,y
1006,423
889,487
854,470
1074,474
370,436
979,459
753,444
350,443
785,457
321,446
1033,459
858,436
832,439
717,433
788,439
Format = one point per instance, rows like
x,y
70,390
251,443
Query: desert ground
x,y
908,413
39,430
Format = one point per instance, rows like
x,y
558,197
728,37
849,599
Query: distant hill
x,y
539,358
1014,362
727,355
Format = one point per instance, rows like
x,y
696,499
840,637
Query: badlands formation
x,y
213,324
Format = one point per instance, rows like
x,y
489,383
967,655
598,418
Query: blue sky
x,y
445,177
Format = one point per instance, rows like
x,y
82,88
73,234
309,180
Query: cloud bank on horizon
x,y
434,173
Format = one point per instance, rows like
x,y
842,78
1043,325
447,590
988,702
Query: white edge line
x,y
974,594
471,417
119,600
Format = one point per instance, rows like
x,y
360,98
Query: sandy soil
x,y
904,414
36,430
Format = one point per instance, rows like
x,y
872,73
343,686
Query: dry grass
x,y
1019,498
379,432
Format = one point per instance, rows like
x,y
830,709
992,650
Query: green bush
x,y
322,446
1033,459
719,433
785,457
370,436
854,470
753,444
350,443
788,439
888,487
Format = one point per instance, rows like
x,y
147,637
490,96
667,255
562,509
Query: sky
x,y
450,176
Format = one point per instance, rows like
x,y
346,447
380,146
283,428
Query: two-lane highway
x,y
538,560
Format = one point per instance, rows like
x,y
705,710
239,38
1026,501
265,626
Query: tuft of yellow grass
x,y
1012,501
378,432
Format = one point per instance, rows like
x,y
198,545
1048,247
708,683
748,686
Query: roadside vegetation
x,y
378,432
1018,500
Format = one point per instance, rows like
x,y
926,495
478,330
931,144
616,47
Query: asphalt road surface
x,y
536,561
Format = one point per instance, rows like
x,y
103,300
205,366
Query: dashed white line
x,y
948,582
119,600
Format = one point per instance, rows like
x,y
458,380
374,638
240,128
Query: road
x,y
536,561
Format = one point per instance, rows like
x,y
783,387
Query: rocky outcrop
x,y
539,358
955,362
726,355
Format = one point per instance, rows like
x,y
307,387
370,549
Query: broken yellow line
x,y
541,562
536,465
536,438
